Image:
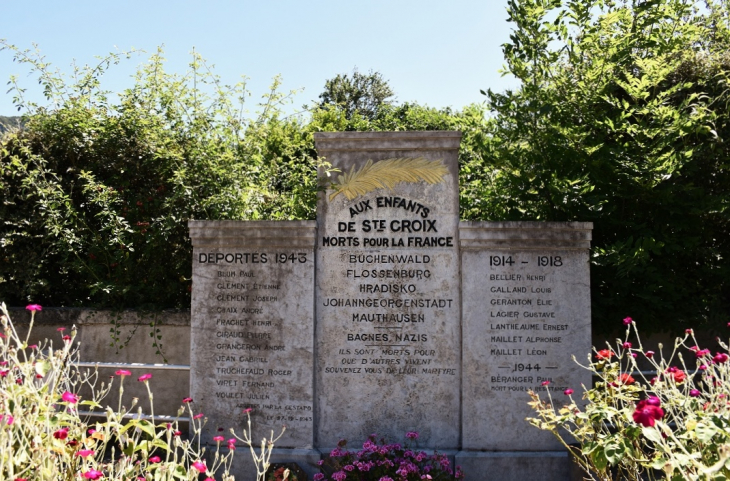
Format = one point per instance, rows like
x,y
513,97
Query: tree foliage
x,y
621,119
95,195
362,94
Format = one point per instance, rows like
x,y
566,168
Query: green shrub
x,y
674,424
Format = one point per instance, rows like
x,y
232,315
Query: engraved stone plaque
x,y
526,311
252,327
387,297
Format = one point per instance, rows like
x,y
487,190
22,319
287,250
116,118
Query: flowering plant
x,y
44,435
387,462
672,421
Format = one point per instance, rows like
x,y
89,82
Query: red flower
x,y
61,433
604,354
677,374
568,392
123,372
626,379
648,412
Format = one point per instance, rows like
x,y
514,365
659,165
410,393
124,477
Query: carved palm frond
x,y
385,174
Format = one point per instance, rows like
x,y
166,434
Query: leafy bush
x,y
387,462
94,194
43,435
674,423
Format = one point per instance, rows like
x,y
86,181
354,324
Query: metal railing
x,y
130,366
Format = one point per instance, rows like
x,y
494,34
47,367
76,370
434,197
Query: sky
x,y
434,52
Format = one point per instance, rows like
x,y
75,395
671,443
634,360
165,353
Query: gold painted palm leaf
x,y
385,174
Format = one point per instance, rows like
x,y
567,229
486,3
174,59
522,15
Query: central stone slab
x,y
387,299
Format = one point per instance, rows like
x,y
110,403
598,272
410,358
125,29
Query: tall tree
x,y
622,120
364,94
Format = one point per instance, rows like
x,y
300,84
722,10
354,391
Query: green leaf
x,y
652,434
614,452
705,433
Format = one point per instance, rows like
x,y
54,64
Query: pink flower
x,y
198,416
123,372
545,383
154,459
200,466
688,331
720,358
7,418
702,352
694,393
218,439
70,397
33,307
628,321
412,435
66,338
247,410
61,433
144,377
702,367
93,474
84,453
60,329
33,346
177,433
626,345
568,392
187,400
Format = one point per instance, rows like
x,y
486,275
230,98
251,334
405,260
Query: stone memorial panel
x,y
252,327
353,324
387,296
525,312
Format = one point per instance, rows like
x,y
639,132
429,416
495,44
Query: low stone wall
x,y
135,345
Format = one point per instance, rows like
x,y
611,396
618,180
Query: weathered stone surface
x,y
517,466
525,312
387,296
252,327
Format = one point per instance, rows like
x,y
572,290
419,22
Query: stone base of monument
x,y
517,465
244,469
